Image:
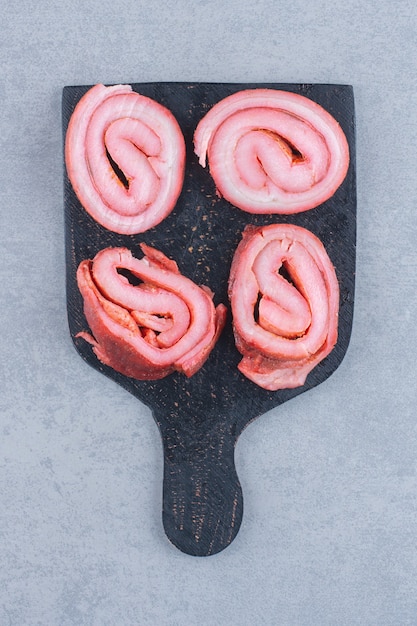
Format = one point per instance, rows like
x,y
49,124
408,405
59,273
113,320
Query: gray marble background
x,y
329,533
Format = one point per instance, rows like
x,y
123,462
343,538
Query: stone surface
x,y
329,530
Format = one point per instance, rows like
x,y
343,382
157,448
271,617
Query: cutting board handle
x,y
202,496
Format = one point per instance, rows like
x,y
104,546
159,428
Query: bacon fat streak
x,y
146,319
284,298
125,158
272,151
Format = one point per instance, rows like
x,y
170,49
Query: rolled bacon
x,y
272,151
125,158
284,298
146,319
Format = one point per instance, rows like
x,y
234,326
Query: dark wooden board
x,y
201,418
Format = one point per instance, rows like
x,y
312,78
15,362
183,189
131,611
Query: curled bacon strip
x,y
285,300
147,320
272,151
125,157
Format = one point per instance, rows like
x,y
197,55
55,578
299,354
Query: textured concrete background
x,y
330,531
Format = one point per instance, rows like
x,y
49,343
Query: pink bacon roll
x,y
125,158
272,151
284,298
147,320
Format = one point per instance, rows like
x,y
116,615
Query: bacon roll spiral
x,y
125,158
284,298
146,319
272,151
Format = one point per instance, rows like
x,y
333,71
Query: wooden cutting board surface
x,y
201,418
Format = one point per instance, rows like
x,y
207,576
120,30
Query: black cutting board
x,y
201,418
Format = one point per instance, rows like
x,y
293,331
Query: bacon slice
x,y
284,298
272,151
146,319
125,157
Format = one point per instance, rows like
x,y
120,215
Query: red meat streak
x,y
125,158
284,325
272,151
146,331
